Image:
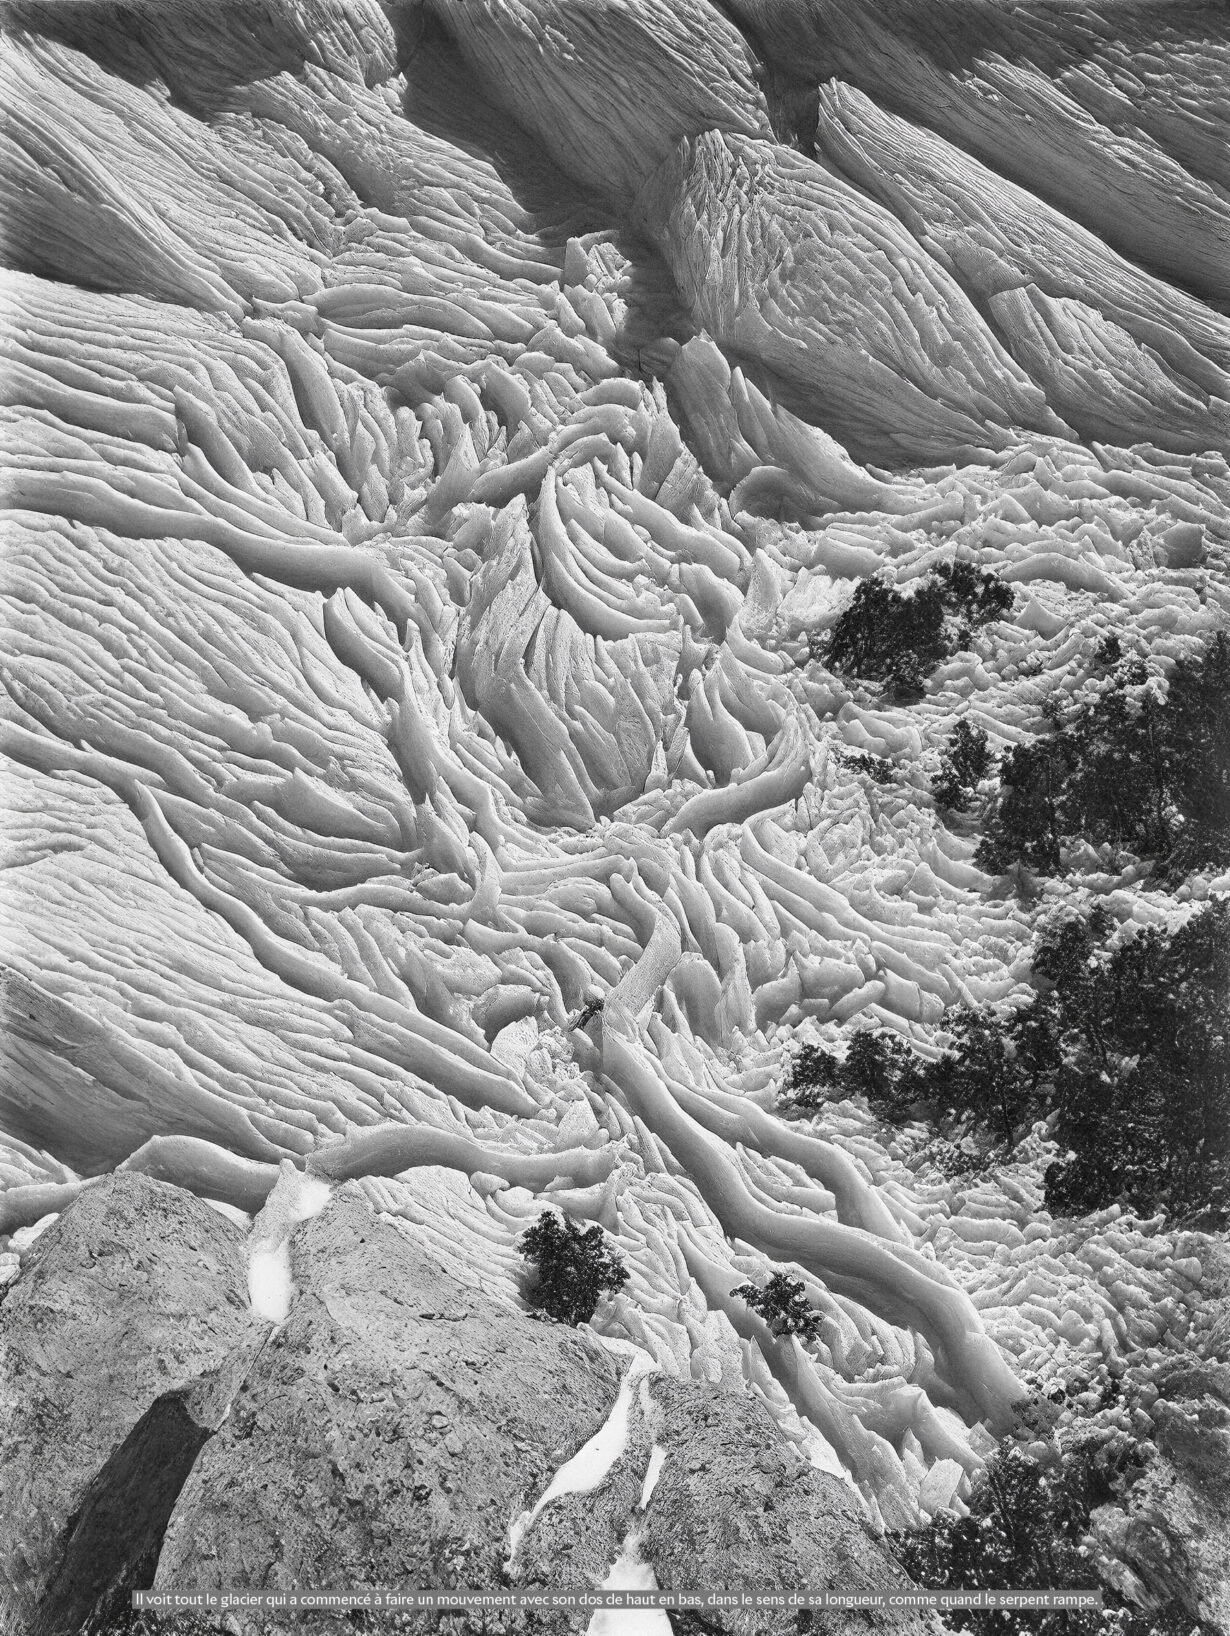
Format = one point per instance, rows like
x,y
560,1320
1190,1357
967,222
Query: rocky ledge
x,y
399,1427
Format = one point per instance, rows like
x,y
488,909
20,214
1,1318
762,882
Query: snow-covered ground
x,y
294,1198
588,1468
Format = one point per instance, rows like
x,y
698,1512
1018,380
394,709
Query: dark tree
x,y
984,1076
573,1267
878,768
783,1305
888,636
877,1065
883,635
1020,1531
1025,824
1148,773
1130,1049
880,1067
814,1074
1196,757
1109,651
1025,1524
965,761
975,598
1143,1093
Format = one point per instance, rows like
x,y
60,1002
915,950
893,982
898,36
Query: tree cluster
x,y
878,768
877,1066
1144,766
573,1267
1024,1528
1140,1065
1127,1047
887,636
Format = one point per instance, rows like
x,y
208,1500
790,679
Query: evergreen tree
x,y
965,761
573,1268
1129,1049
1024,1529
783,1305
877,1065
885,635
1143,1093
814,1075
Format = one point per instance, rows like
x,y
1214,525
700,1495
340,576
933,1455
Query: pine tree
x,y
887,636
573,1268
783,1305
965,761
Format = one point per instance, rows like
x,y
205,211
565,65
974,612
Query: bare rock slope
x,y
400,1428
135,1297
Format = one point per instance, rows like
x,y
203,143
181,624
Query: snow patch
x,y
312,1196
631,1621
653,1471
21,1240
630,1573
269,1283
295,1197
823,1456
592,1462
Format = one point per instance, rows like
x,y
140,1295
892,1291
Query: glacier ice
x,y
430,452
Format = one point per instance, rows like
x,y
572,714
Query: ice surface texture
x,y
432,435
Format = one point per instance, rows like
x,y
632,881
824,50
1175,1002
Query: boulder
x,y
122,1307
402,1427
735,1508
391,1431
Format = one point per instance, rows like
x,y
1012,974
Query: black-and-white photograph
x,y
615,817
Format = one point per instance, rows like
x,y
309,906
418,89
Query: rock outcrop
x,y
731,1506
399,1428
119,1342
395,1425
